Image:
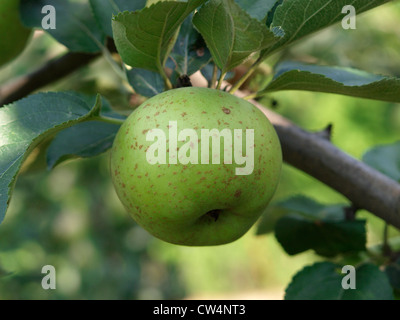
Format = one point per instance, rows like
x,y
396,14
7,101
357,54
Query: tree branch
x,y
52,71
314,154
365,187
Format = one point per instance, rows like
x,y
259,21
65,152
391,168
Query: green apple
x,y
13,35
196,166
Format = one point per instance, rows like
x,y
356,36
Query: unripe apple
x,y
196,166
13,35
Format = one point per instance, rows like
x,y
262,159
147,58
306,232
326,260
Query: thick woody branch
x,y
314,154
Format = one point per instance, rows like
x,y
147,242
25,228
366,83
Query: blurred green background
x,y
72,219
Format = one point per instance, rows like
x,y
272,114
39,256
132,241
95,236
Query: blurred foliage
x,y
71,218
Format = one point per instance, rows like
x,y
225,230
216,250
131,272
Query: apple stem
x,y
167,82
243,79
251,96
221,78
213,80
108,120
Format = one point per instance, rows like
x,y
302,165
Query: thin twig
x,y
243,79
213,80
221,79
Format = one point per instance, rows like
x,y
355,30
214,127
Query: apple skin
x,y
13,35
195,204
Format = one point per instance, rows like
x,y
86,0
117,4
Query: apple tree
x,y
160,49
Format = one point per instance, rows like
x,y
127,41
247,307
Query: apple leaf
x,y
104,9
85,139
231,34
257,9
76,27
27,122
276,211
269,218
300,18
190,52
271,13
301,224
297,204
323,281
145,38
338,80
146,83
327,238
385,159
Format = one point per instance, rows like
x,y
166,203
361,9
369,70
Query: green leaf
x,y
297,204
301,223
271,13
372,284
323,281
190,53
146,83
269,218
320,281
385,159
300,18
231,34
104,9
302,204
76,27
27,122
151,2
327,238
338,80
86,139
145,38
257,9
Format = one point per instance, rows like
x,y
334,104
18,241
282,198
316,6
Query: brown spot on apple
x,y
226,110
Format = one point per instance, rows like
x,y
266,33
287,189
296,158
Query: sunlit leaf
x,y
27,122
339,80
